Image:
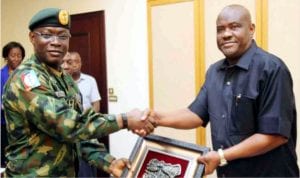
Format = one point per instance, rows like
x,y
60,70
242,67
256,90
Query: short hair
x,y
6,49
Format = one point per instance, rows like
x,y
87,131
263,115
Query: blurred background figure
x,y
13,53
90,98
87,84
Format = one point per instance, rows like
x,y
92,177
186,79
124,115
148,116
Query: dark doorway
x,y
88,38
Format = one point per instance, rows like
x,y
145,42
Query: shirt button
x,y
228,83
223,116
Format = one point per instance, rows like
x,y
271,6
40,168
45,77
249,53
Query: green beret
x,y
50,17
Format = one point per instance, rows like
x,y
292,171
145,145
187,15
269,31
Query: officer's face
x,y
50,44
234,32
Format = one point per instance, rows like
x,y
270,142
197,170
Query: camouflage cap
x,y
50,17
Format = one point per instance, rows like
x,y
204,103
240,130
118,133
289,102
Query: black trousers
x,y
86,170
4,143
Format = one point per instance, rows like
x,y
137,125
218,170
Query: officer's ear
x,y
31,36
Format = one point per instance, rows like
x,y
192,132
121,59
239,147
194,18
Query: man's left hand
x,y
211,161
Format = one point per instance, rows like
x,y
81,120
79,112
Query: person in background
x,y
46,124
248,99
86,83
90,98
13,53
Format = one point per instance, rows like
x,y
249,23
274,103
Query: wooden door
x,y
88,38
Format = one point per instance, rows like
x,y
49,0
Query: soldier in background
x,y
46,122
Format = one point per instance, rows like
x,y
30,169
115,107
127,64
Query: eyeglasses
x,y
51,37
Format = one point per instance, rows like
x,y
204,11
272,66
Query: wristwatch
x,y
125,120
223,161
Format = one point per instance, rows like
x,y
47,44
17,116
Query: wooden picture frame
x,y
159,156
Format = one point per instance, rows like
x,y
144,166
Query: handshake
x,y
139,122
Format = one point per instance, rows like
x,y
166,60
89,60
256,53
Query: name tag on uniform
x,y
60,94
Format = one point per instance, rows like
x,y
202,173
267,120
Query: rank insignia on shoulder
x,y
30,80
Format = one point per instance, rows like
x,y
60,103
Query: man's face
x,y
50,44
234,33
67,63
76,63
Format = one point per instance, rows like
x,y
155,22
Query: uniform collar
x,y
244,61
55,72
52,70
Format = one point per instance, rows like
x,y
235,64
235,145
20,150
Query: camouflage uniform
x,y
44,121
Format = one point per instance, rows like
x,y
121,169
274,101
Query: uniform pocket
x,y
243,115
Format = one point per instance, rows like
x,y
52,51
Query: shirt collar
x,y
245,60
81,77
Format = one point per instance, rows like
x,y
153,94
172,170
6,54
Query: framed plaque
x,y
157,156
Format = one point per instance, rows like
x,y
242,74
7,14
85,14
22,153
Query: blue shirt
x,y
253,96
4,78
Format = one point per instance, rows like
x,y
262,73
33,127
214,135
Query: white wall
x,y
173,62
284,41
126,45
127,65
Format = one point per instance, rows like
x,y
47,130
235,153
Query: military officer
x,y
42,105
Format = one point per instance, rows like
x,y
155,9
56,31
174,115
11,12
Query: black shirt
x,y
253,96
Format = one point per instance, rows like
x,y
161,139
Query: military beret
x,y
50,17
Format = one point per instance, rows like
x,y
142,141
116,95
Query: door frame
x,y
199,52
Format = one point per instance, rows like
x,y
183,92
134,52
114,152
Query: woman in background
x,y
13,53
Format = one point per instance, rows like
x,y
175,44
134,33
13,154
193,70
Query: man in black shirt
x,y
248,99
